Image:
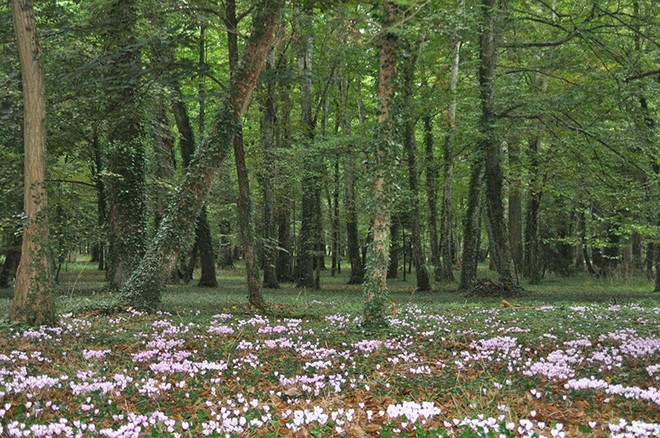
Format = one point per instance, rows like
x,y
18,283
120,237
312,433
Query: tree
x,y
125,179
311,175
245,223
410,120
489,143
33,302
375,285
143,290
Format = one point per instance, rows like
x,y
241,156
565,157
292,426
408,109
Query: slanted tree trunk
x,y
203,241
245,224
33,302
375,285
125,181
268,122
311,177
490,145
472,225
143,290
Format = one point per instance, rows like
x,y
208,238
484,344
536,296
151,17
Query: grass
x,y
575,357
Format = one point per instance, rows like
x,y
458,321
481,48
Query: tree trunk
x,y
352,239
410,120
432,196
244,202
268,122
143,290
532,248
491,146
284,237
336,256
125,181
33,302
515,207
311,188
101,200
447,226
375,285
472,225
203,238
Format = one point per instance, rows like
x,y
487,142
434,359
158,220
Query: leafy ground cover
x,y
208,366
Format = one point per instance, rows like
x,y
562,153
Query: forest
x,y
436,187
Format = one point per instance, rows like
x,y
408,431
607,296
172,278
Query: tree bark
x,y
284,237
350,210
125,181
245,223
33,302
375,285
143,290
311,178
515,207
410,120
101,200
268,122
203,241
447,226
532,248
491,146
432,196
472,225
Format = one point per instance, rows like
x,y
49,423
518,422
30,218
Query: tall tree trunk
x,y
375,285
203,241
447,226
33,302
268,122
515,207
285,240
472,225
311,189
532,248
350,210
125,181
336,256
410,120
245,223
432,196
143,290
101,200
491,146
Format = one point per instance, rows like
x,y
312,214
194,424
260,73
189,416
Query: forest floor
x,y
576,357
